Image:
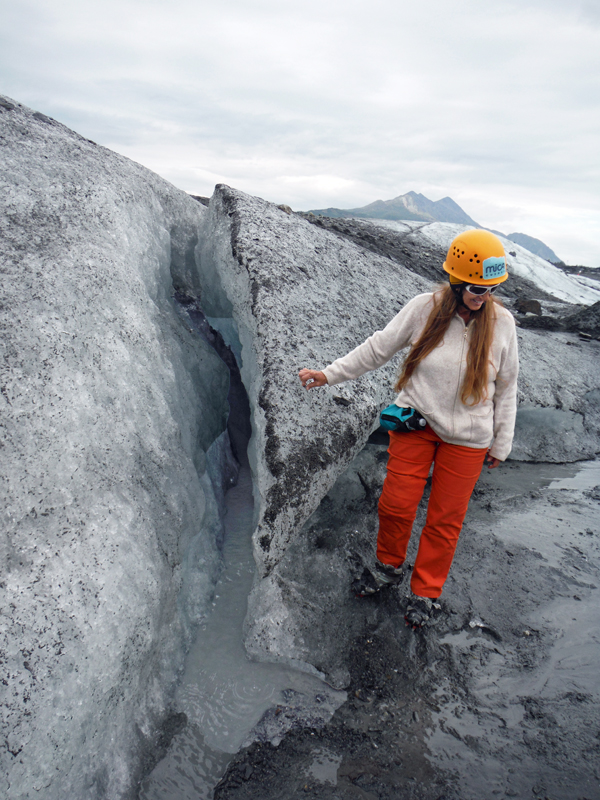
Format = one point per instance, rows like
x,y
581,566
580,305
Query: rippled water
x,y
566,541
223,693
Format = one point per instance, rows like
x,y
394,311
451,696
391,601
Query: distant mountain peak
x,y
411,205
535,246
415,206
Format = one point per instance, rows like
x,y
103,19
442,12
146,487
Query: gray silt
x,y
496,698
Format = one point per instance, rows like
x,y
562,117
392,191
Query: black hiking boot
x,y
419,610
376,577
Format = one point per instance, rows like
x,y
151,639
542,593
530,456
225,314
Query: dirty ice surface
x,y
223,693
523,263
510,705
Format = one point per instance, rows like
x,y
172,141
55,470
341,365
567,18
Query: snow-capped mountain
x,y
411,205
417,207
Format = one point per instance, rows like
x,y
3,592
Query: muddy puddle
x,y
528,714
499,698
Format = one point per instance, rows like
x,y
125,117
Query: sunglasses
x,y
473,288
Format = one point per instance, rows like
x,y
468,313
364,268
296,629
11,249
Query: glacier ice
x,y
111,408
524,263
549,430
116,448
299,296
302,296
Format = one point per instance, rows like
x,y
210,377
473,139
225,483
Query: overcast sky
x,y
330,103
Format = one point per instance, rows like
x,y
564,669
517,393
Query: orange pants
x,y
455,472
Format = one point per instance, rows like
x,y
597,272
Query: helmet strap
x,y
457,290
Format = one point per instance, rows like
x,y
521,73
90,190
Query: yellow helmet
x,y
476,256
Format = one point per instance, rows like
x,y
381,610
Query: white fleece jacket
x,y
436,384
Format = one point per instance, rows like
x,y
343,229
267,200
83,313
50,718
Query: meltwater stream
x,y
222,693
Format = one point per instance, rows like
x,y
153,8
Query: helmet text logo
x,y
493,267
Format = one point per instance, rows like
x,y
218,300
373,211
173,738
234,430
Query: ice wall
x,y
108,407
299,297
302,296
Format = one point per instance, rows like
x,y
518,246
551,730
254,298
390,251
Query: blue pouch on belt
x,y
401,420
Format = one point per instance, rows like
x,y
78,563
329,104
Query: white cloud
x,y
336,103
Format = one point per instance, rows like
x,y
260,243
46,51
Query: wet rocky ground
x,y
498,697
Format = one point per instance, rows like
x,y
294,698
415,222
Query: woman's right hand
x,y
311,378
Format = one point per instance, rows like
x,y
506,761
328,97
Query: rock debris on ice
x,y
114,414
109,406
302,296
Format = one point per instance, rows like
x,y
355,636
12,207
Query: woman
x,y
461,375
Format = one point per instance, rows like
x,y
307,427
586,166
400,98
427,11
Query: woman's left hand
x,y
492,462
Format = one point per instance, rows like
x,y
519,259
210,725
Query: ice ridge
x,y
112,412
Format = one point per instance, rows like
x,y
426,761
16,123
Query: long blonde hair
x,y
445,306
